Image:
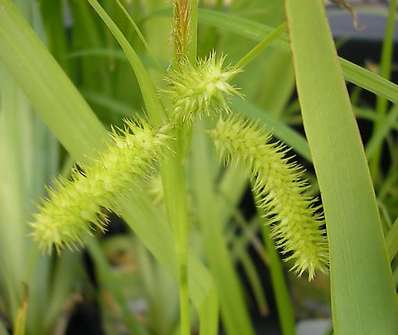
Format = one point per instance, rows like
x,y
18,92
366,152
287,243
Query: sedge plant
x,y
194,90
199,124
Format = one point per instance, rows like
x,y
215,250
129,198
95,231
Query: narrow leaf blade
x,y
363,294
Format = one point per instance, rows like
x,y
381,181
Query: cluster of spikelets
x,y
280,192
75,207
201,89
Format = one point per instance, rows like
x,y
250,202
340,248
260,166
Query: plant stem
x,y
385,72
193,32
388,183
21,317
139,33
185,30
386,56
174,183
253,53
380,132
279,286
173,171
148,91
234,312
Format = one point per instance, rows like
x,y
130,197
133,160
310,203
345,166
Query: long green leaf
x,y
363,294
152,103
238,25
369,80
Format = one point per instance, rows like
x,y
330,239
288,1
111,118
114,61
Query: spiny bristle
x,y
74,208
201,89
280,192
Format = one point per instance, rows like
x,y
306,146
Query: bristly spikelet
x,y
201,89
280,191
74,208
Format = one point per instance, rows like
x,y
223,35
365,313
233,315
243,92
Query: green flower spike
x,y
201,89
74,208
280,191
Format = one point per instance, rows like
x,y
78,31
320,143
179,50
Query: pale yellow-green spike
x,y
201,89
280,191
73,208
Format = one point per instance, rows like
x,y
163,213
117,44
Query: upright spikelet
x,y
280,192
201,89
73,208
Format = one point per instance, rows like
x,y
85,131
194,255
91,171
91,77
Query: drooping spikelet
x,y
198,90
74,207
280,192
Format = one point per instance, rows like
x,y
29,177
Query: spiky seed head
x,y
280,191
201,89
75,208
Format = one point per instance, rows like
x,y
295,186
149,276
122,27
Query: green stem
x,y
139,33
173,171
388,183
281,291
185,30
392,240
239,252
381,130
193,31
148,90
386,57
253,53
385,72
395,276
234,311
174,183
